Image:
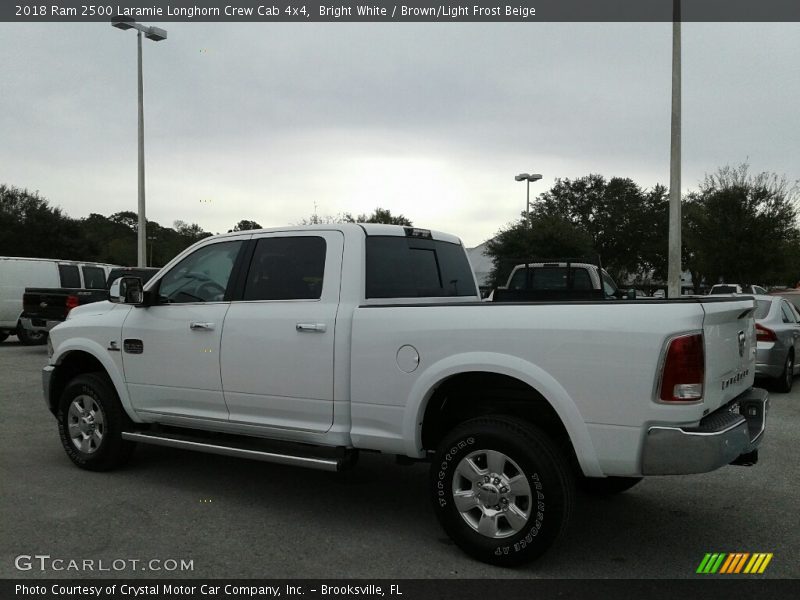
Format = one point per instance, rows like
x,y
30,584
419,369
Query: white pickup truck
x,y
304,346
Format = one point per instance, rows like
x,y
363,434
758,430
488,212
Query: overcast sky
x,y
260,121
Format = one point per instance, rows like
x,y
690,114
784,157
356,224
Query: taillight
x,y
72,302
684,370
764,334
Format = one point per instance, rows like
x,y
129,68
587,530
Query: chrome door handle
x,y
197,326
311,327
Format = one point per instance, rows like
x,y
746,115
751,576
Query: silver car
x,y
778,340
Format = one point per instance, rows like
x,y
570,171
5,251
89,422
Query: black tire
x,y
528,452
607,486
786,379
31,338
3,336
102,447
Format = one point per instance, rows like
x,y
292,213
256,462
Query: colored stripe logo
x,y
734,563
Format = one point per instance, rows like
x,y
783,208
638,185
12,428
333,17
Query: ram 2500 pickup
x,y
304,346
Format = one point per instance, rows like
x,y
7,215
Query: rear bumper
x,y
32,324
723,437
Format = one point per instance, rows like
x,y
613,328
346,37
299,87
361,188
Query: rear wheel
x,y
3,336
501,489
607,486
784,382
31,338
90,423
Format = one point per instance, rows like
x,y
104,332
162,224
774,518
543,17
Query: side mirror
x,y
631,294
113,292
130,290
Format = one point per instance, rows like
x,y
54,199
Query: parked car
x,y
19,273
559,280
791,294
44,308
735,288
778,340
305,345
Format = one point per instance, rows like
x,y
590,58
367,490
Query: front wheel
x,y
90,423
31,338
501,489
3,336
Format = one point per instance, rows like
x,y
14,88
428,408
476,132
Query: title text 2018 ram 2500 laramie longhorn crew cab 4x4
x,y
305,345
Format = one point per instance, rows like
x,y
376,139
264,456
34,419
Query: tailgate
x,y
41,304
730,349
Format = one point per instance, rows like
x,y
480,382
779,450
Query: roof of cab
x,y
368,229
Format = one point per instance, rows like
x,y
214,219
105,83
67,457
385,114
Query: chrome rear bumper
x,y
730,434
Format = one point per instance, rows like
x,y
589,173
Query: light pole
x,y
156,34
674,247
528,178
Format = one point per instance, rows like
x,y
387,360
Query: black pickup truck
x,y
44,308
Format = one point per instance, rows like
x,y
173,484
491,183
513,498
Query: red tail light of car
x,y
765,334
684,370
72,302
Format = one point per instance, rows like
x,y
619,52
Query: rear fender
x,y
501,364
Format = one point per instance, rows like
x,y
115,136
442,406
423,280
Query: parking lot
x,y
237,518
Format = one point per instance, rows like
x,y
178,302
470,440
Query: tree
x,y
29,226
742,228
245,225
627,224
191,232
385,216
379,215
546,236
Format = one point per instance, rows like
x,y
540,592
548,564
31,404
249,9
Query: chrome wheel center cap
x,y
489,494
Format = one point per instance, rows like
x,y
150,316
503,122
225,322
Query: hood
x,y
95,308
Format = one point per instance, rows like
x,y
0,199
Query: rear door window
x,y
762,309
70,277
286,268
94,278
788,314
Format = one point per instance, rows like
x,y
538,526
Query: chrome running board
x,y
323,464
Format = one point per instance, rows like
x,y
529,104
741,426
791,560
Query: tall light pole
x,y
528,178
674,252
156,34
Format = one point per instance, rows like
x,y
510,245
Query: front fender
x,y
101,354
502,364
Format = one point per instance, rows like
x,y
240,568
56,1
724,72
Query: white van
x,y
18,273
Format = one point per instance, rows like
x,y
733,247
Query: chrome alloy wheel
x,y
492,494
86,424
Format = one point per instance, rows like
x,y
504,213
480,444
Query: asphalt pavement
x,y
236,518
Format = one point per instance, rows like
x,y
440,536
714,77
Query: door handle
x,y
197,326
311,327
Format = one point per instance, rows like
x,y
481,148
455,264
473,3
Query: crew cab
x,y
308,345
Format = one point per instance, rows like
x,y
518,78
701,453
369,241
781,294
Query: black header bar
x,y
308,11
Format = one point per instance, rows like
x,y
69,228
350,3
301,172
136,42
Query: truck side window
x,y
202,276
94,278
286,268
70,278
400,267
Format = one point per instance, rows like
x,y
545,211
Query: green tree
x,y
29,226
385,216
627,224
245,225
546,236
742,228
